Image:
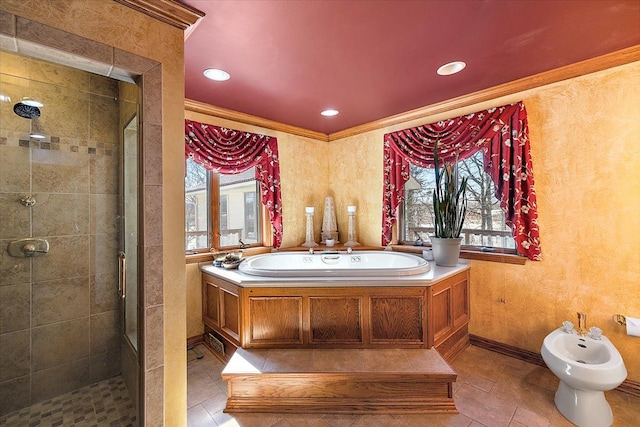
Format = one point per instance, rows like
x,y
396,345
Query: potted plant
x,y
450,208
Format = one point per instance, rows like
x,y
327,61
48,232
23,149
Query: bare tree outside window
x,y
484,225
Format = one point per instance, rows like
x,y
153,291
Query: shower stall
x,y
68,235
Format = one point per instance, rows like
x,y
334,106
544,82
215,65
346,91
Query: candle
x,y
351,209
309,209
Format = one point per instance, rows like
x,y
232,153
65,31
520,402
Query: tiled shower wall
x,y
59,317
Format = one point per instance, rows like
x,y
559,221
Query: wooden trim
x,y
236,116
570,71
193,341
628,386
171,12
468,254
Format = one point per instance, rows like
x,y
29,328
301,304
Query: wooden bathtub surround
x,y
350,349
339,381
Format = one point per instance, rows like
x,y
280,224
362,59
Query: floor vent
x,y
215,344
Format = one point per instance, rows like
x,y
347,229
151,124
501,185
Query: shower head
x,y
26,111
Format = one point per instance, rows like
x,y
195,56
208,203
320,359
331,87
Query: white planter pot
x,y
446,252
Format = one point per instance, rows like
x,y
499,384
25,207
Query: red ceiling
x,y
289,60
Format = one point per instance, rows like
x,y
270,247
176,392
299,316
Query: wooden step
x,y
351,381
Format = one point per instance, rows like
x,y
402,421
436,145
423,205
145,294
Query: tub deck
x,y
339,381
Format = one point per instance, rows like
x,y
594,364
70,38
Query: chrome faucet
x,y
582,323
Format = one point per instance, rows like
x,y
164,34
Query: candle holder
x,y
309,240
351,235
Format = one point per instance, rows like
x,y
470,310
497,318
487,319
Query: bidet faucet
x,y
582,324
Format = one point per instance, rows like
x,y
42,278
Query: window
x,y
220,209
484,224
196,184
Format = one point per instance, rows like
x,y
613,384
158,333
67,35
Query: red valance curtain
x,y
231,151
503,136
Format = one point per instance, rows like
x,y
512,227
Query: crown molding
x,y
577,69
171,12
236,116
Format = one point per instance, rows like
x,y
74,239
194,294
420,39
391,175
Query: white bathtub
x,y
335,264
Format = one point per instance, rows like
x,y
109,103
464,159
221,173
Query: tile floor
x,y
491,390
105,403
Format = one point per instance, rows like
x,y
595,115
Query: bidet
x,y
587,366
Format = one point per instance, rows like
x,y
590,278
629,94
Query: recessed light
x,y
330,112
451,68
37,136
31,102
216,74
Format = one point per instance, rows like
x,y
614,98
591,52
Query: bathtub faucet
x,y
582,323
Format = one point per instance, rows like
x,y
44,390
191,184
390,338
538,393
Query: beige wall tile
x,y
103,257
59,75
103,119
14,65
58,300
60,172
68,257
104,213
59,343
56,380
15,307
152,154
104,365
14,170
153,337
15,394
105,332
105,86
9,120
153,276
15,217
65,112
104,174
13,270
154,398
151,98
60,214
103,293
153,215
7,24
14,357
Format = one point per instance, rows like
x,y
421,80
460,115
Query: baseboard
x,y
628,386
198,339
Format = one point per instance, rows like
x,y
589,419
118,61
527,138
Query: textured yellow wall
x,y
585,139
113,24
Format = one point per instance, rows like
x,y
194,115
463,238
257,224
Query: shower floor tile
x,y
105,403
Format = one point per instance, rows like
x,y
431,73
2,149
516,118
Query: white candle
x,y
309,209
351,209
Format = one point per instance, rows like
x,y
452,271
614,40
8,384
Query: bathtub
x,y
334,264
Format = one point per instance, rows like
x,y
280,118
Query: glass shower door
x,y
129,250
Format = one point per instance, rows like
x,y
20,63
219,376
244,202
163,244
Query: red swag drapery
x,y
231,151
503,136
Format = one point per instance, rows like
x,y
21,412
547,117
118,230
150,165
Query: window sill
x,y
208,256
478,255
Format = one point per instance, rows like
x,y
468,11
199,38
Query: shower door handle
x,y
122,275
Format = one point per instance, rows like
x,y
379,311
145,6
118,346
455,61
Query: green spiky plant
x,y
449,198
